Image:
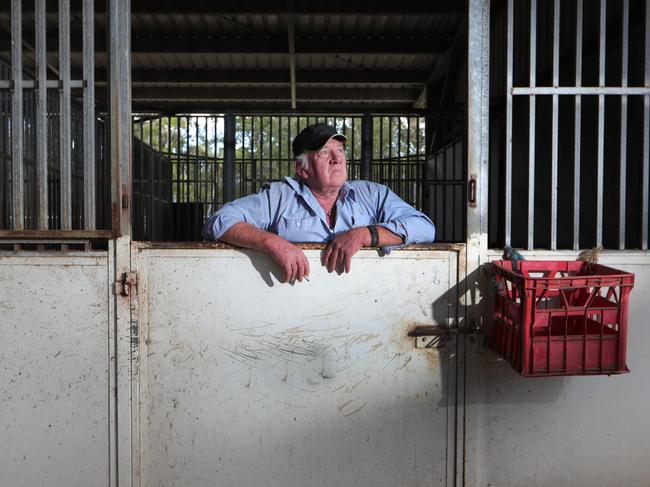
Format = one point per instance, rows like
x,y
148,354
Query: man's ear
x,y
300,171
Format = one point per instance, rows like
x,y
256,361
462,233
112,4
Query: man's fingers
x,y
300,270
331,262
326,255
304,258
348,262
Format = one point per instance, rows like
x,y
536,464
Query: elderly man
x,y
319,205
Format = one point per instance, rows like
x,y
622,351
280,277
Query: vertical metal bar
x,y
531,125
89,113
41,118
555,129
601,123
508,175
65,133
17,115
577,128
229,158
623,156
646,130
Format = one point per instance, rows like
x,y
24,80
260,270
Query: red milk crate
x,y
560,317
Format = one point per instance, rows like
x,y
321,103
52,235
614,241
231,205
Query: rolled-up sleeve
x,y
402,219
253,209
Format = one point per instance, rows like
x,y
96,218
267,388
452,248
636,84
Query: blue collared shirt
x,y
289,209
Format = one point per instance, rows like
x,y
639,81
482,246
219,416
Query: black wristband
x,y
374,235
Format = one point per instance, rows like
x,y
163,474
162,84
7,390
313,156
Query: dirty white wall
x,y
54,407
577,431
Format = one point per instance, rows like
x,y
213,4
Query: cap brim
x,y
339,137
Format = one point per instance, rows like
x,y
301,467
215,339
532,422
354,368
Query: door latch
x,y
127,284
435,336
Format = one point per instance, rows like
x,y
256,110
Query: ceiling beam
x,y
218,77
274,108
188,44
276,7
259,95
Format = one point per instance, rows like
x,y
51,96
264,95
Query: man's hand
x,y
291,259
338,253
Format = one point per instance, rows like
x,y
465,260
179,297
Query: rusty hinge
x,y
127,284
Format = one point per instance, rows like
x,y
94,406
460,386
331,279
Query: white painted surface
x,y
574,431
54,370
248,382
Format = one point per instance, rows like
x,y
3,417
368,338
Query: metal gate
x,y
243,380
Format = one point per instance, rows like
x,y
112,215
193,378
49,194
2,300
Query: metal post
x,y
65,107
89,113
554,143
229,158
366,147
508,178
646,131
41,118
531,125
623,156
120,114
17,115
601,123
577,131
478,110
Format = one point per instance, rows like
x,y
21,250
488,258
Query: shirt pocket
x,y
301,229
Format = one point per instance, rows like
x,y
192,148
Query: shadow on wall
x,y
493,378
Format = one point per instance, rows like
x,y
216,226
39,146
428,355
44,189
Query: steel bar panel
x,y
89,113
646,130
17,182
601,123
555,128
623,149
55,234
577,130
508,175
65,133
41,118
531,125
49,84
578,90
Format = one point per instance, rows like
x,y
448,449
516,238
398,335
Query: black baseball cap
x,y
314,137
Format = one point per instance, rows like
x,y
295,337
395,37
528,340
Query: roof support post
x,y
229,158
120,114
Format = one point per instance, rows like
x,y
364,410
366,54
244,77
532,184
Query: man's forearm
x,y
249,236
386,238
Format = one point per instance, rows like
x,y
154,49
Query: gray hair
x,y
304,160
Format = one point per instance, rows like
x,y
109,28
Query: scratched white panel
x,y
248,382
54,371
577,431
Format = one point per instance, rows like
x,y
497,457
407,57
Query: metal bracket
x,y
127,283
436,336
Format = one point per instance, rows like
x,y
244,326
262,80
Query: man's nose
x,y
337,158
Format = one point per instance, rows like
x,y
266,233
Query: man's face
x,y
327,169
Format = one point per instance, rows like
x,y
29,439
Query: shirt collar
x,y
301,188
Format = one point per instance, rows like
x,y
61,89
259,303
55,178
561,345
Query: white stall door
x,y
244,381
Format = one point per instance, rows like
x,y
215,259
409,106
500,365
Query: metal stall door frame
x,y
212,377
